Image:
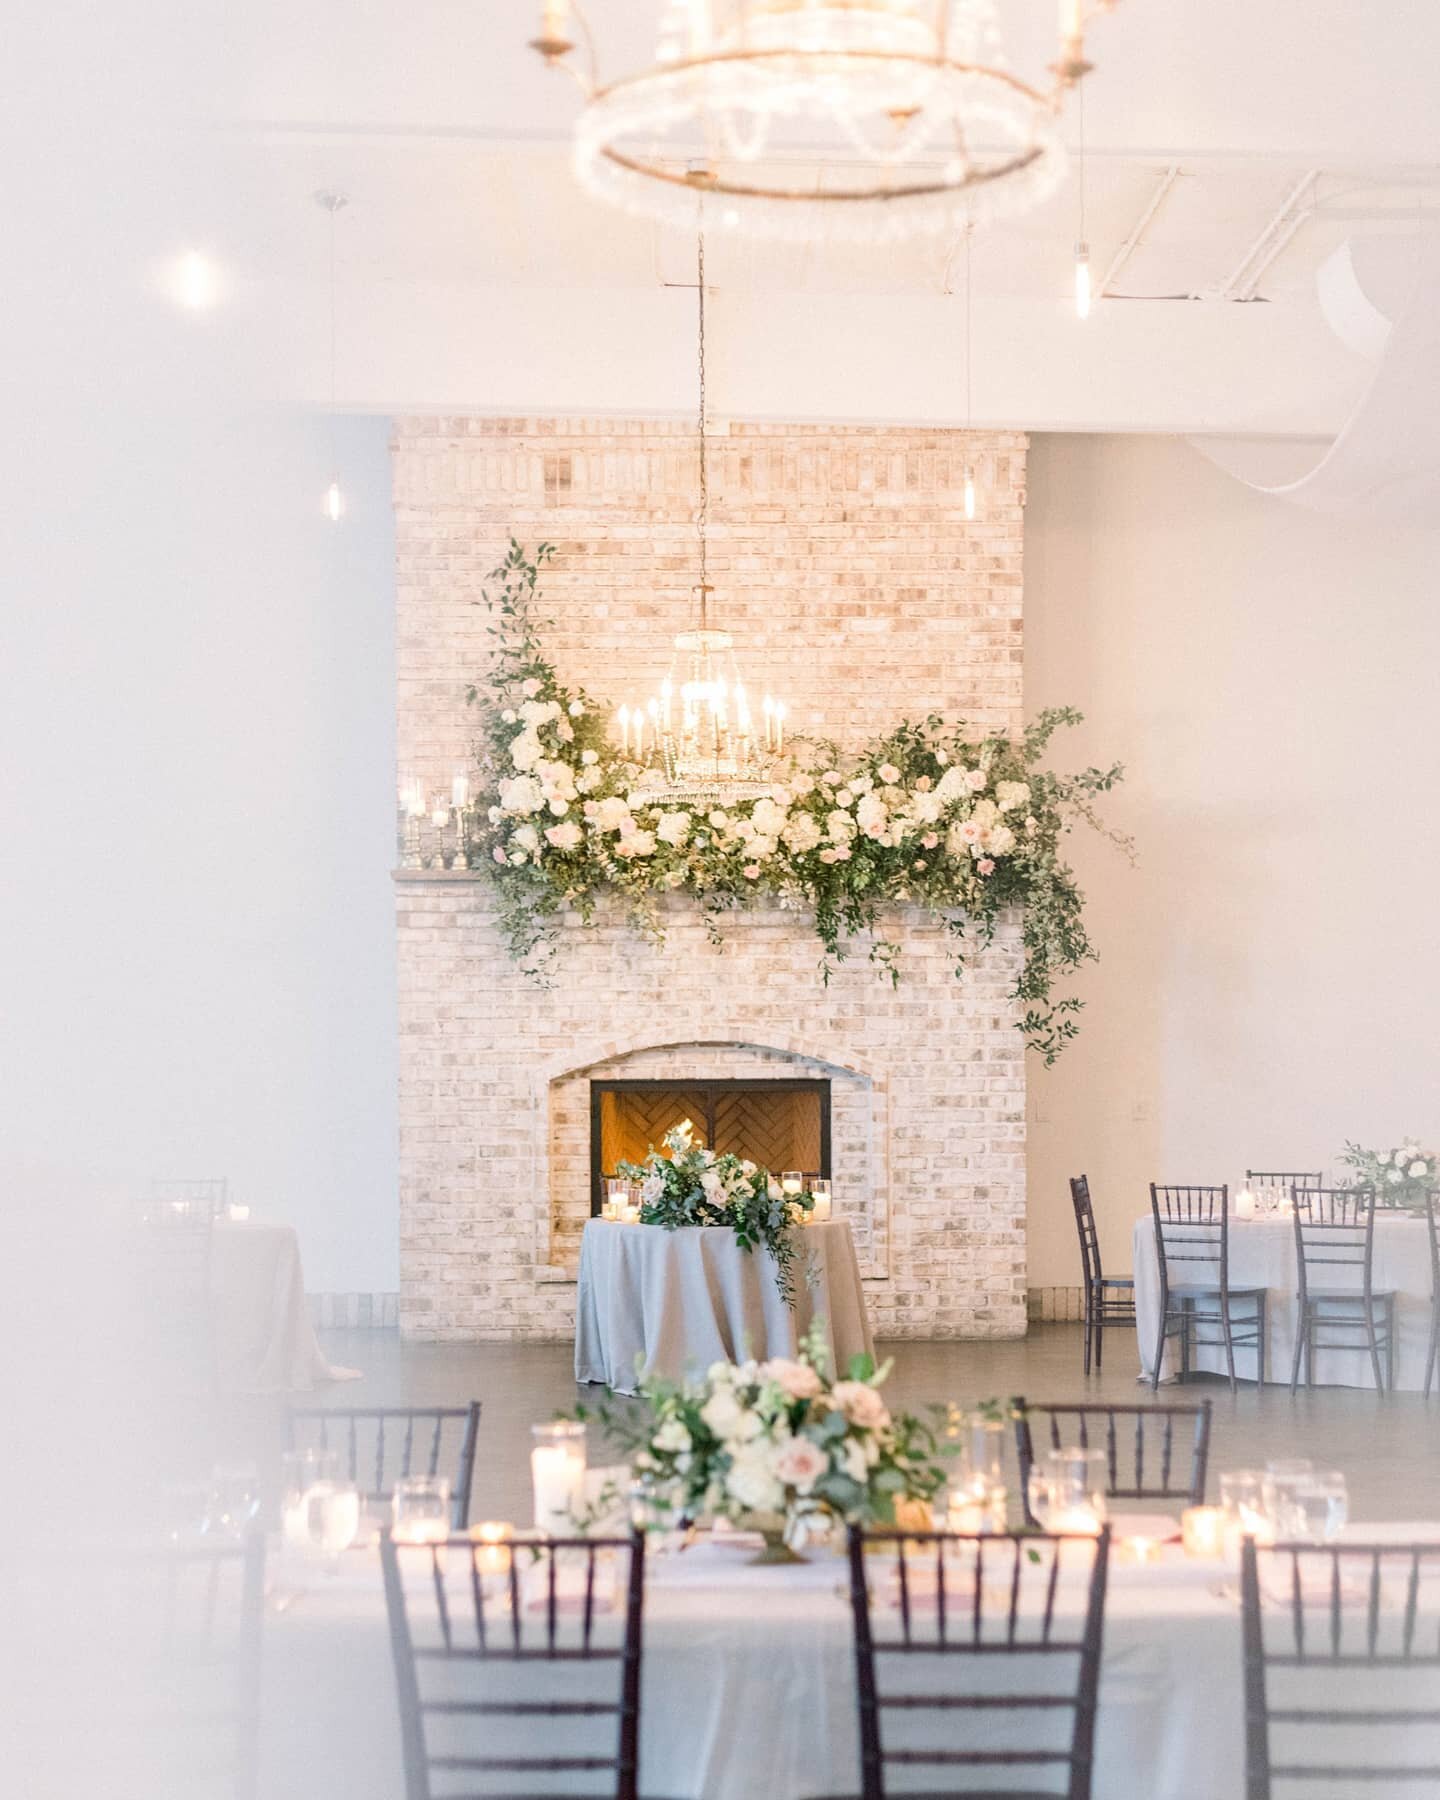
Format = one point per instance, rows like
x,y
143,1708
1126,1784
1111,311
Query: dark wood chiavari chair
x,y
1192,1230
1432,1219
1283,1178
973,1599
382,1443
1335,1230
1109,1299
1354,1630
478,1632
1151,1452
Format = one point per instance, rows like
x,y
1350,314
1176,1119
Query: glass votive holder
x,y
821,1193
1242,1501
420,1509
617,1197
557,1474
492,1539
238,1212
792,1182
1202,1532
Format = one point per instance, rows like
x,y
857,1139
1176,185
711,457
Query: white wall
x,y
1269,983
197,731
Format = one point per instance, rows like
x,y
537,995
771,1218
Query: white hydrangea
x,y
762,846
612,813
1001,841
925,809
1011,794
636,843
565,837
985,813
527,837
751,1480
840,827
767,817
674,828
871,815
525,752
952,785
522,795
801,833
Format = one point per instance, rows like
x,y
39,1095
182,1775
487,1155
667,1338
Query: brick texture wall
x,y
856,589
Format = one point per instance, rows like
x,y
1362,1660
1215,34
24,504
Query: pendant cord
x,y
704,514
1080,121
968,231
333,383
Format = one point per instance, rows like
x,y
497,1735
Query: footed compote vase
x,y
774,1552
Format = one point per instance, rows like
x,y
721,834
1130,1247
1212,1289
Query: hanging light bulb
x,y
333,505
969,493
1082,280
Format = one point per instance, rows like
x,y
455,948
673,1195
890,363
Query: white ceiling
x,y
475,273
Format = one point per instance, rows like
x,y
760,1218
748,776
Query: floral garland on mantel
x,y
922,816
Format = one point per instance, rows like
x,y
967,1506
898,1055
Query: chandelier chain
x,y
704,518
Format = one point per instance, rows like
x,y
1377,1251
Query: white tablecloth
x,y
264,1341
684,1299
1262,1254
749,1684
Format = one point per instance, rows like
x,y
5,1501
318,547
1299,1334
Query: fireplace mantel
x,y
844,558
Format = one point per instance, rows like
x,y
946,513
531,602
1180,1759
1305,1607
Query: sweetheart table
x,y
1262,1254
681,1300
749,1683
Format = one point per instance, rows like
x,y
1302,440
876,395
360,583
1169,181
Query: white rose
x,y
674,828
871,815
558,806
577,711
977,779
589,758
1384,1158
925,809
566,731
530,687
853,1461
527,837
636,843
1395,1175
719,819
889,774
861,784
565,837
799,1463
1417,1169
761,847
673,1437
801,785
744,830
844,797
840,827
612,813
712,1184
751,1481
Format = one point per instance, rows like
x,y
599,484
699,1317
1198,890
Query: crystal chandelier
x,y
854,118
697,735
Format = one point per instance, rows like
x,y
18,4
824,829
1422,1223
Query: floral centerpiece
x,y
924,815
777,1447
693,1186
1402,1177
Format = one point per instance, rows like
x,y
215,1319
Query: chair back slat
x,y
372,1440
1128,1478
559,1619
1090,1265
1334,1229
1044,1600
1332,1640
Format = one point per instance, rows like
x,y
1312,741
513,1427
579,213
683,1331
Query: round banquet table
x,y
264,1341
1262,1254
681,1300
748,1682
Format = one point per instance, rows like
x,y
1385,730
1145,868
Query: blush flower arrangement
x,y
923,816
777,1447
690,1185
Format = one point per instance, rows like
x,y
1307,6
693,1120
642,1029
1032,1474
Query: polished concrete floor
x,y
1389,1449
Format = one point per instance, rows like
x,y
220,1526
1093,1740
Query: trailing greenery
x,y
923,816
694,1186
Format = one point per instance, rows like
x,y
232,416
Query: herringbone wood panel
x,y
778,1131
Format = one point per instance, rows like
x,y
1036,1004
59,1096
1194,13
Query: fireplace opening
x,y
777,1124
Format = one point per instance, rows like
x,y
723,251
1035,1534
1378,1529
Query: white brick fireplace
x,y
844,563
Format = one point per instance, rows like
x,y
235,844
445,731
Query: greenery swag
x,y
922,816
